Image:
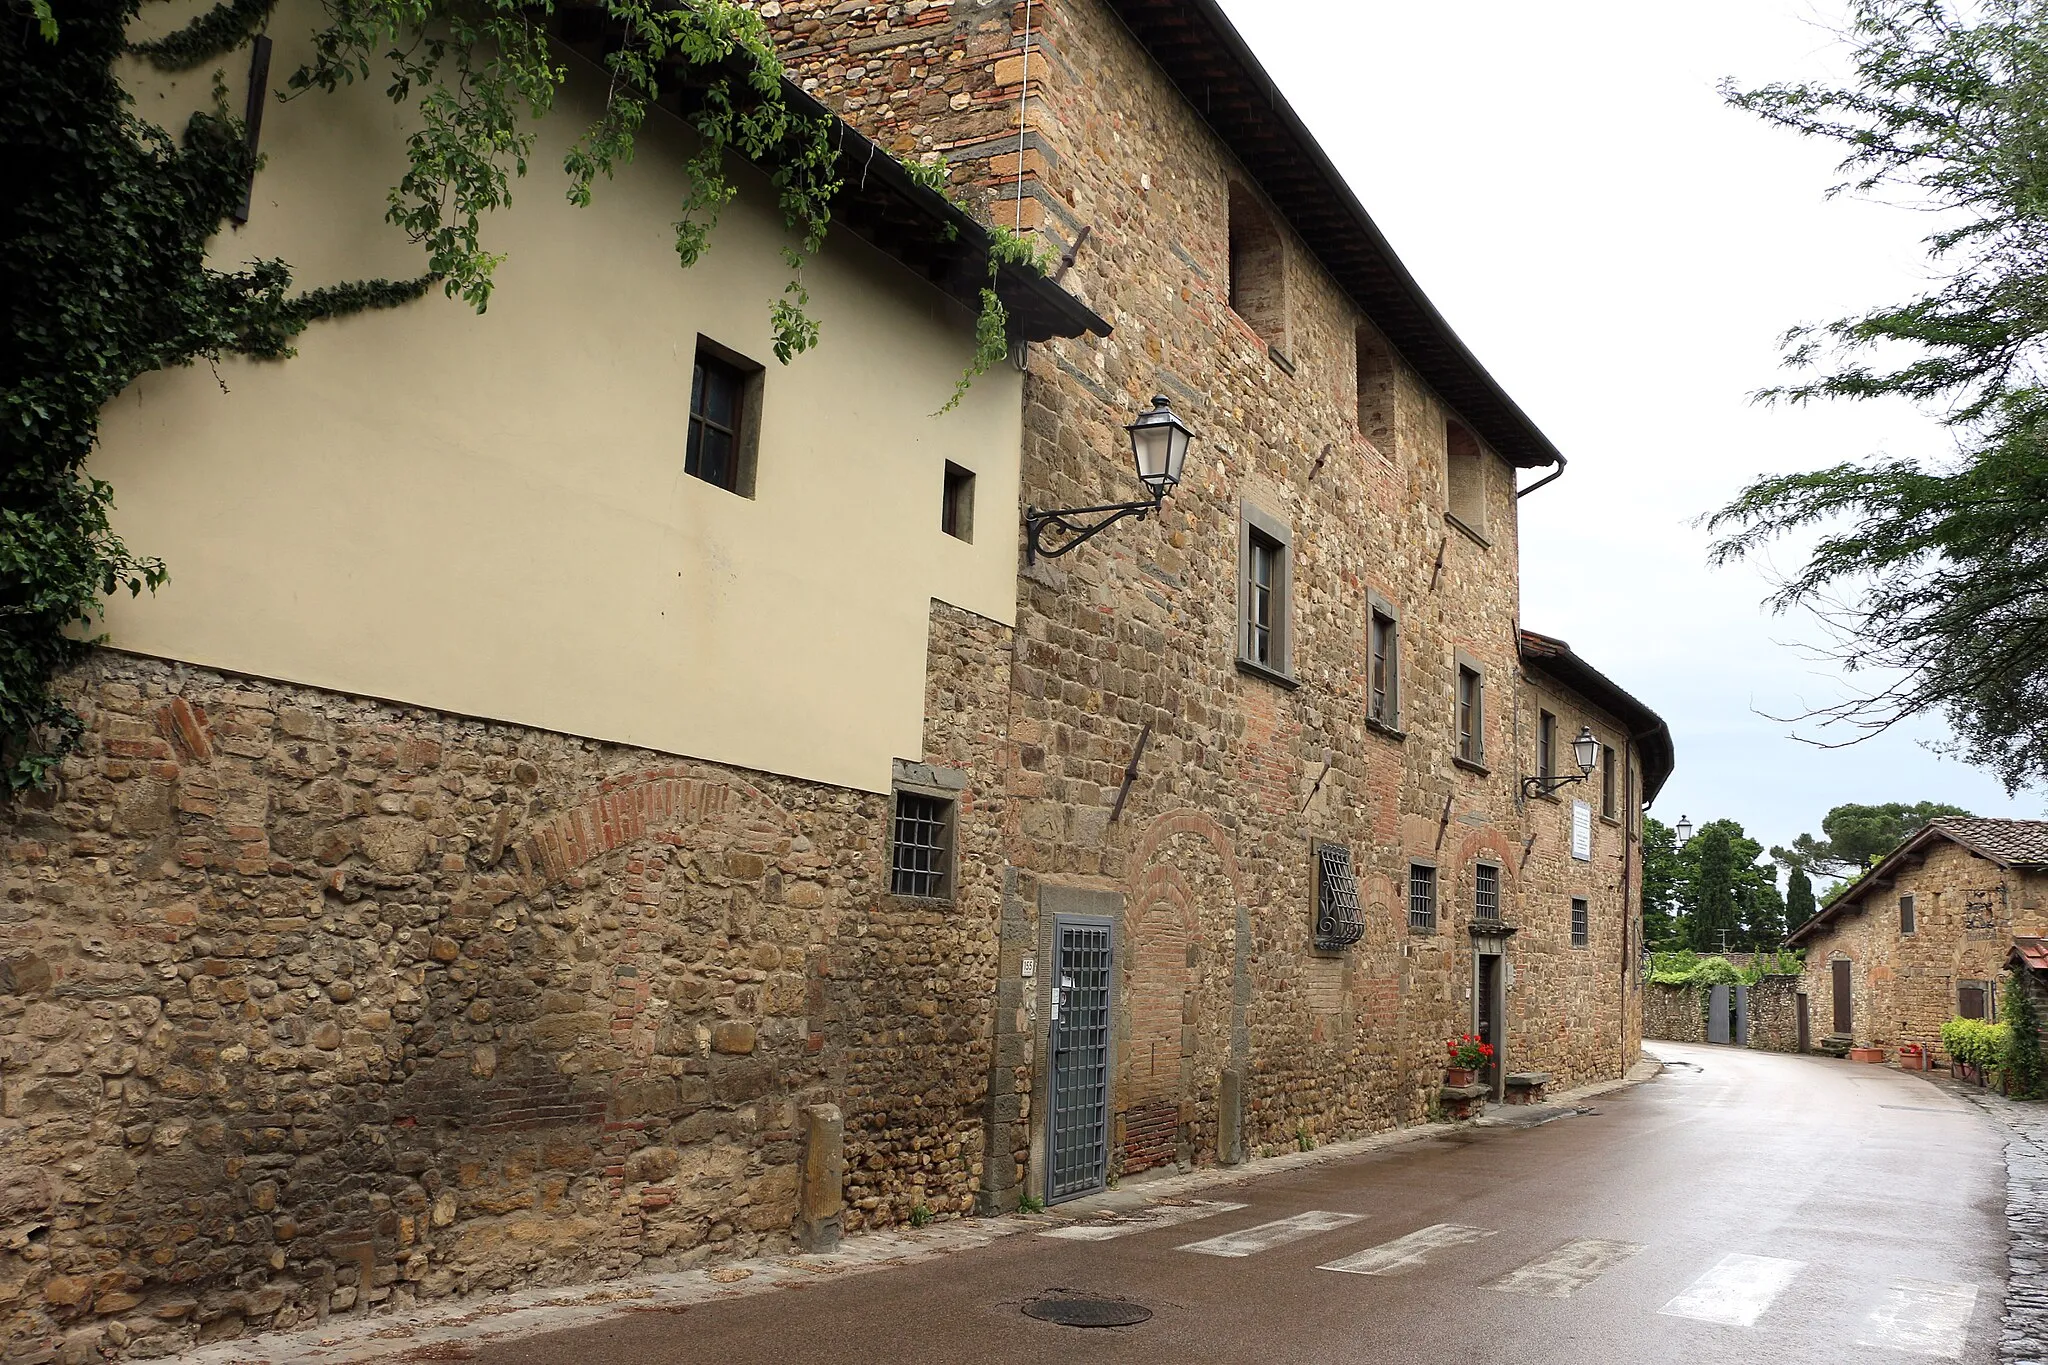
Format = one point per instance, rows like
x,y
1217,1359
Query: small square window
x,y
921,857
725,395
1581,921
1486,893
956,515
1908,918
1422,898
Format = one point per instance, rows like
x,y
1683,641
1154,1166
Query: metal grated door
x,y
1079,1138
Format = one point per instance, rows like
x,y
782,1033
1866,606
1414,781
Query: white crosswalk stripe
x,y
1390,1258
1736,1292
1266,1236
1157,1216
1565,1271
1922,1318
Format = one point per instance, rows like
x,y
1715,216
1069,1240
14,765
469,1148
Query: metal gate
x,y
1741,1020
1077,1137
1717,1014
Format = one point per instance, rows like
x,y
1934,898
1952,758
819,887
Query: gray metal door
x,y
1741,1020
1717,1014
1077,1136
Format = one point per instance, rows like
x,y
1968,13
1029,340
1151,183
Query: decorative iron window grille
x,y
1422,898
1339,922
1581,915
918,860
1486,892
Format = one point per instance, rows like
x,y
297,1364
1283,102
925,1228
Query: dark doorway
x,y
1805,1003
1843,1018
1488,1007
1077,1135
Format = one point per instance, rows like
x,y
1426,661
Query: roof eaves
x,y
1551,655
1851,897
1206,58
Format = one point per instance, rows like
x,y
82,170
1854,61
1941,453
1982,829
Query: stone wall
x,y
1209,867
1774,1014
1904,986
1677,1014
313,1003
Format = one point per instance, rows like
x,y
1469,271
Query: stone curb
x,y
2023,1335
396,1336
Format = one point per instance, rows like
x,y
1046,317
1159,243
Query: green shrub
x,y
1690,969
1783,962
1975,1042
2023,1048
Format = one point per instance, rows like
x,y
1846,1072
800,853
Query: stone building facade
x,y
527,971
1176,778
1925,935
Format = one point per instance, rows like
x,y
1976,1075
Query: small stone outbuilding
x,y
1925,935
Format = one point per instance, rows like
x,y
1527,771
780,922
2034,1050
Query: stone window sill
x,y
1393,732
1271,675
1417,931
1610,820
1481,541
1470,766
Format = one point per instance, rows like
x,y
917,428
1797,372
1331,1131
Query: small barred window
x,y
1581,917
920,859
1486,892
1339,922
1422,898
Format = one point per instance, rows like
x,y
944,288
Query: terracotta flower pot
x,y
1458,1076
1866,1054
1912,1057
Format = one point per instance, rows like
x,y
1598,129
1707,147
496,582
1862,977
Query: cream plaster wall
x,y
489,515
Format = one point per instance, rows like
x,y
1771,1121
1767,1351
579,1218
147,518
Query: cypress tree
x,y
1798,898
1714,891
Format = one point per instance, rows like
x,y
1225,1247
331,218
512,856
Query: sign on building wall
x,y
1582,831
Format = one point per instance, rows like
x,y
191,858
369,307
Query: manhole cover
x,y
1087,1312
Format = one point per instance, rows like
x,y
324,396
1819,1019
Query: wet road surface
x,y
1744,1207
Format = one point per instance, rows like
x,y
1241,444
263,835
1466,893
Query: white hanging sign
x,y
1582,831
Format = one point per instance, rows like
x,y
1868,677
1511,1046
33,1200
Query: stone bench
x,y
1526,1087
1464,1101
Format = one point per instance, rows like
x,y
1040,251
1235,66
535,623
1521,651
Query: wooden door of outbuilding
x,y
1843,1018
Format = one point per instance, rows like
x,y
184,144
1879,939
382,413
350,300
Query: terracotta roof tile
x,y
2005,841
2032,951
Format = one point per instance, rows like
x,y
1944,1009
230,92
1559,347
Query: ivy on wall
x,y
106,242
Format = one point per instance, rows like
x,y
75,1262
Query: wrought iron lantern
x,y
1585,752
1159,451
1683,829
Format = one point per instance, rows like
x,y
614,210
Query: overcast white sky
x,y
1622,251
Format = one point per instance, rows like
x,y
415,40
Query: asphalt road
x,y
1742,1207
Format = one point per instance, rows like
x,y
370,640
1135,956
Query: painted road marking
x,y
1736,1291
1158,1216
1390,1258
1567,1270
1266,1236
1922,1318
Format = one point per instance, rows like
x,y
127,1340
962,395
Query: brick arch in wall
x,y
657,803
1178,959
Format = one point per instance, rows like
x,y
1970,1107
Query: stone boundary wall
x,y
1774,1014
310,1004
1675,1014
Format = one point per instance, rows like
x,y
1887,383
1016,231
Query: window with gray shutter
x,y
1908,919
1339,922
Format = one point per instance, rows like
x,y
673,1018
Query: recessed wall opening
x,y
1465,475
1375,392
1258,291
956,514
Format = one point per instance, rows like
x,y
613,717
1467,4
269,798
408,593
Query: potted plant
x,y
1912,1057
1469,1053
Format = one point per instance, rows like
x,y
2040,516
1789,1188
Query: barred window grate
x,y
1486,892
1581,921
1339,922
918,866
1422,898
